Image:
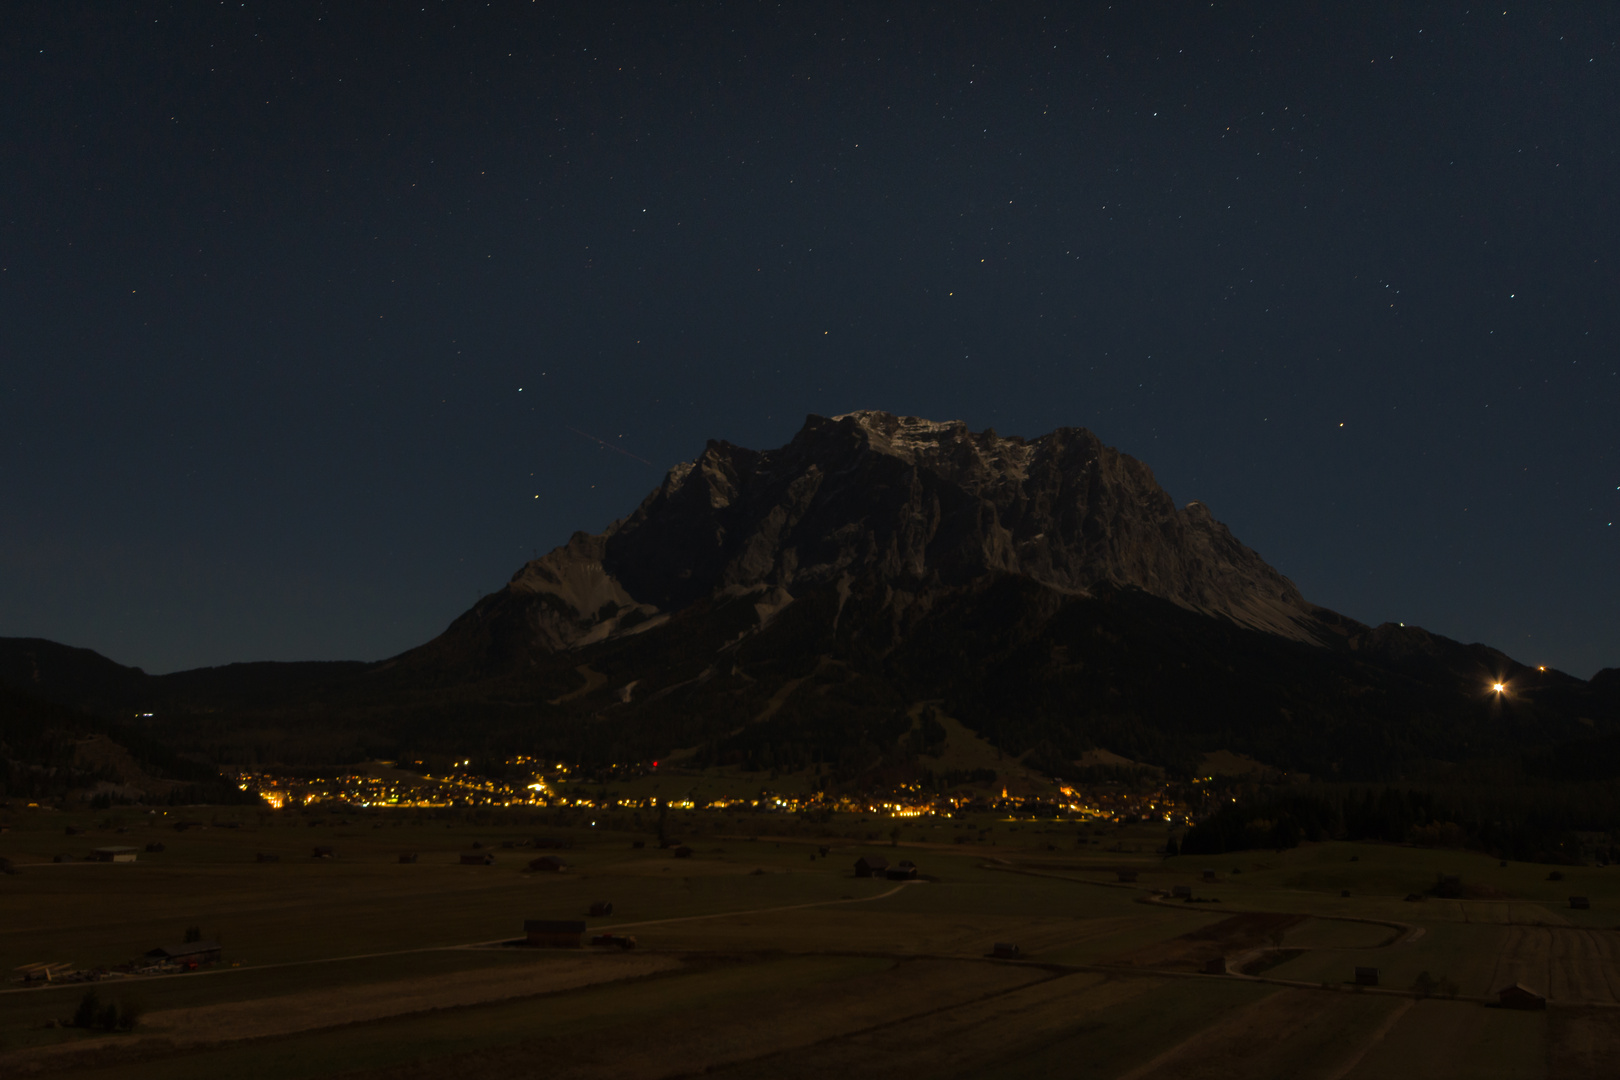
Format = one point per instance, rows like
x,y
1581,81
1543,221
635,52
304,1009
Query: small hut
x,y
477,858
1215,965
554,933
905,870
1006,950
324,851
114,854
1366,976
1127,875
871,866
601,908
1181,892
266,856
1520,996
407,856
1580,903
682,851
549,864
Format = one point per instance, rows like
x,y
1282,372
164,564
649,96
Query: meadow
x,y
758,955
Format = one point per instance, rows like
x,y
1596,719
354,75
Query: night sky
x,y
314,318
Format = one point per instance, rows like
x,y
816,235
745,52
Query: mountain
x,y
917,504
805,606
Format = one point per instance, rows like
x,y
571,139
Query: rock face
x,y
915,504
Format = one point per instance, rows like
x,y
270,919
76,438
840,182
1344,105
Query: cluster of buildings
x,y
545,784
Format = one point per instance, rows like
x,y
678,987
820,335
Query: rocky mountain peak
x,y
921,504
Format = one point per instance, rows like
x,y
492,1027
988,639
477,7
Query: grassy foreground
x,y
759,956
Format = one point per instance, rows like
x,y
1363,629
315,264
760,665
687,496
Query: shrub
x,y
89,1010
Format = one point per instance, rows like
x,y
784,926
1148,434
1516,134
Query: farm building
x,y
544,842
477,858
554,933
1580,903
906,870
682,851
1520,996
1366,976
1005,950
1215,965
114,854
1181,892
1127,875
1209,875
871,866
407,856
266,856
547,863
599,908
324,851
154,847
190,955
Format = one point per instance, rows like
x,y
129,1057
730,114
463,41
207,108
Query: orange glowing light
x,y
1499,687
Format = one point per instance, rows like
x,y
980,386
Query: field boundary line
x,y
1372,1040
755,911
437,948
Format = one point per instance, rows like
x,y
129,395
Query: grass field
x,y
760,956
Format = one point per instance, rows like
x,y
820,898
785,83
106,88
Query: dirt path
x,y
469,945
314,1008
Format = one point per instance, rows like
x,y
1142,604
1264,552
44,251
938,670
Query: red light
x,y
655,764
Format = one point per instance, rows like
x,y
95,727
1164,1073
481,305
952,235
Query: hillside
x,y
785,609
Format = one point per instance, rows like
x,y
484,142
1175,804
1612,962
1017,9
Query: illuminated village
x,y
383,785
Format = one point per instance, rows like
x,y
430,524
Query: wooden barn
x,y
1006,950
554,933
871,866
407,856
1366,976
1127,875
548,864
477,858
1520,996
324,851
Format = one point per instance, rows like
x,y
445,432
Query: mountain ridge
x,y
925,502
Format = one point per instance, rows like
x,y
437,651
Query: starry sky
x,y
318,319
